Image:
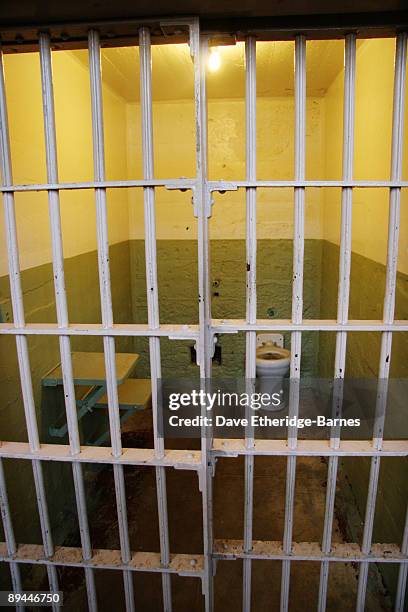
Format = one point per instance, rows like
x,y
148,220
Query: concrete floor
x,y
185,525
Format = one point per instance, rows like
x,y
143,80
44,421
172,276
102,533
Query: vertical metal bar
x,y
9,532
21,341
153,298
342,300
106,306
61,306
250,352
403,571
202,205
7,178
389,305
297,302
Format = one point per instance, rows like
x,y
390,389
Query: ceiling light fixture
x,y
214,60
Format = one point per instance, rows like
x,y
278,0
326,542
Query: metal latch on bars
x,y
211,348
198,193
205,192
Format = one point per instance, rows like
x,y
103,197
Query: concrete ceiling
x,y
43,11
172,70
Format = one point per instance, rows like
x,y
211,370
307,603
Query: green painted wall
x,y
363,352
178,293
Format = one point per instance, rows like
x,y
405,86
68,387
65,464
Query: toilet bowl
x,y
272,366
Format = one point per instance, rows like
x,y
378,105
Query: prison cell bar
x,y
250,337
191,460
8,530
342,301
306,448
191,332
192,565
202,209
222,326
218,185
174,332
5,507
62,308
21,340
297,304
389,304
153,299
106,306
402,574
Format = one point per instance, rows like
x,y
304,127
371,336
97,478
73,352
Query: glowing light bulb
x,y
214,60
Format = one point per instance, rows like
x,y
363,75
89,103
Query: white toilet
x,y
272,365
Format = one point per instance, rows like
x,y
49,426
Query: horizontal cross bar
x,y
182,459
179,332
189,459
308,551
186,332
183,565
192,565
234,185
310,448
167,183
220,326
185,184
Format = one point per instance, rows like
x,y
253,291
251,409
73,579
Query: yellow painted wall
x,y
74,138
175,157
373,129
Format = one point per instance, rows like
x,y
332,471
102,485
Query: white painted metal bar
x,y
308,448
297,301
107,559
191,332
174,332
389,304
19,321
222,326
191,460
342,301
6,177
343,552
250,350
190,184
11,546
192,565
106,306
202,208
221,185
179,459
153,298
403,571
61,306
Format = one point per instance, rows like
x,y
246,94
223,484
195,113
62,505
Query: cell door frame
x,y
202,566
